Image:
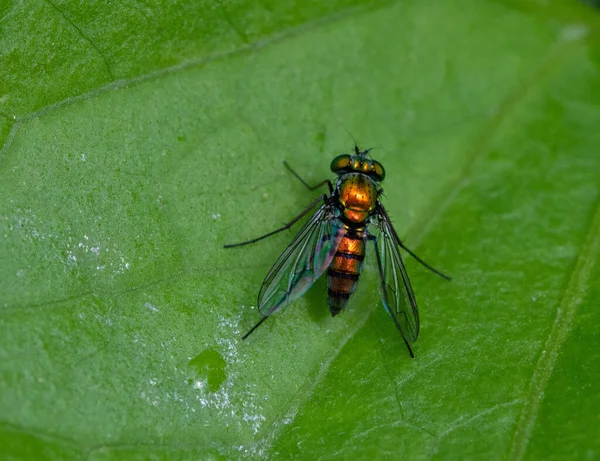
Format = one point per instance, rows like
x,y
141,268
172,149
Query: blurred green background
x,y
136,138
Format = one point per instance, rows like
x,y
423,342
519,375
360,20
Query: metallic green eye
x,y
340,162
379,170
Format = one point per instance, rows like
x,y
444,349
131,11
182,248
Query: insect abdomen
x,y
344,271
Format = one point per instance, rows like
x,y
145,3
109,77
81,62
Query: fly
x,y
334,241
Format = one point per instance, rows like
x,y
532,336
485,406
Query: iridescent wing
x,y
395,289
302,262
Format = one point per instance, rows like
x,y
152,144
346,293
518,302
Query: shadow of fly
x,y
335,239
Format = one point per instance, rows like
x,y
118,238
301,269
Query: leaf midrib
x,y
565,315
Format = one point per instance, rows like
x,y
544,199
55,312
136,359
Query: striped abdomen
x,y
344,270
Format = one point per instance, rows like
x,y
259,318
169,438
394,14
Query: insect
x,y
335,240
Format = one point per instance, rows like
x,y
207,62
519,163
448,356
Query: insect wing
x,y
302,262
395,289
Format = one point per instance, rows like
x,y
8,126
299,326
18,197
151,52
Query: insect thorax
x,y
357,197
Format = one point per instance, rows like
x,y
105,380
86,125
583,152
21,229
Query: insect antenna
x,y
368,151
254,327
356,149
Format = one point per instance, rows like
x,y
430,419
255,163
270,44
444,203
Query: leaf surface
x,y
137,139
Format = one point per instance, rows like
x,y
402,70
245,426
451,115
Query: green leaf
x,y
138,138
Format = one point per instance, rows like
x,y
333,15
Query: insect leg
x,y
382,276
326,181
401,245
287,226
255,327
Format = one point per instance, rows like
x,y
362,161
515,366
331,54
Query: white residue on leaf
x,y
232,399
237,403
289,419
76,252
26,223
219,400
82,250
71,259
255,420
151,307
216,216
253,451
229,341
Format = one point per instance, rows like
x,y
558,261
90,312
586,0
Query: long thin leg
x,y
381,276
255,327
316,186
435,271
287,226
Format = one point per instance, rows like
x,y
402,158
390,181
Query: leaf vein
x,y
83,35
201,61
565,315
6,426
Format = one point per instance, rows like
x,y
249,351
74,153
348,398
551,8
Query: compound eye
x,y
379,171
341,162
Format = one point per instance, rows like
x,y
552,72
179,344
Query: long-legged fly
x,y
334,240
